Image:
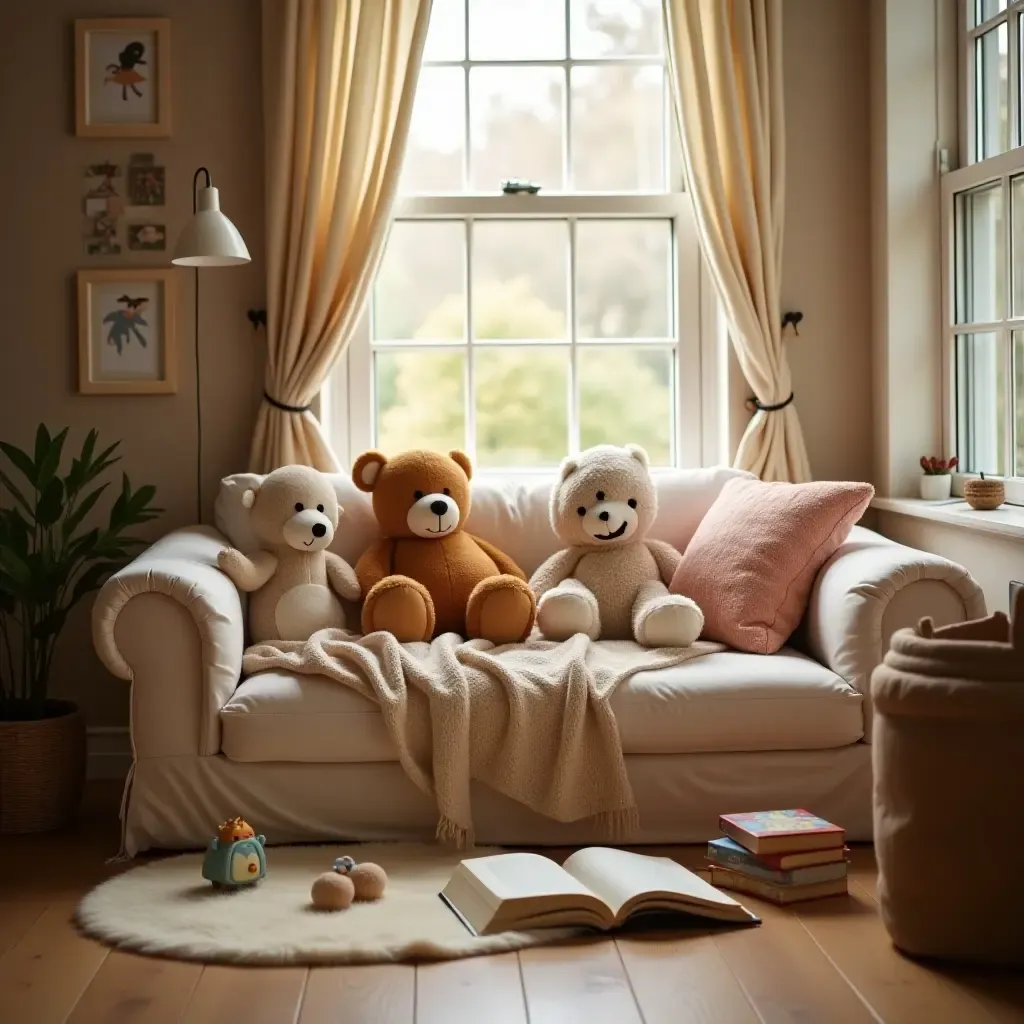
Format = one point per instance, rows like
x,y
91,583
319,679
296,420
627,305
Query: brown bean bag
x,y
949,789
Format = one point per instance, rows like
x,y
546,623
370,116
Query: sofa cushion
x,y
511,512
727,701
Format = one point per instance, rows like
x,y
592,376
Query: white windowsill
x,y
1007,520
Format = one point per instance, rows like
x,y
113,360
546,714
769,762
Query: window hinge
x,y
942,158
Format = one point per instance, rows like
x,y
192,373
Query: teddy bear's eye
x,y
581,511
600,495
417,495
299,506
320,508
446,491
631,503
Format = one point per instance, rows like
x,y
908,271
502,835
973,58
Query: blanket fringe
x,y
450,833
619,825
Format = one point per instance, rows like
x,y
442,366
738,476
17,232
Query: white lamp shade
x,y
209,239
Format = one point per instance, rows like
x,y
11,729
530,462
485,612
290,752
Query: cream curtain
x,y
726,69
339,82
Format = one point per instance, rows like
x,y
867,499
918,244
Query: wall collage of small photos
x,y
124,207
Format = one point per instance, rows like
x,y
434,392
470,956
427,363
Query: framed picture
x,y
126,341
123,77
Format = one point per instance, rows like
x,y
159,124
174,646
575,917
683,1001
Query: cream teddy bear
x,y
295,581
611,582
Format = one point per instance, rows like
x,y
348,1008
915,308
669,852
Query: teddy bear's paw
x,y
500,609
674,621
562,614
400,606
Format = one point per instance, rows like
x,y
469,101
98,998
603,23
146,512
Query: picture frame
x,y
126,331
123,77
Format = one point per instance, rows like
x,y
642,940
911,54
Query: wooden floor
x,y
828,961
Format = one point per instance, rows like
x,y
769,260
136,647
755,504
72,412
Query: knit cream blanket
x,y
531,721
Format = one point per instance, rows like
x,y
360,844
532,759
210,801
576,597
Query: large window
x,y
983,204
525,327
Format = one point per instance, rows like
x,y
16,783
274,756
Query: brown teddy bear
x,y
295,582
427,576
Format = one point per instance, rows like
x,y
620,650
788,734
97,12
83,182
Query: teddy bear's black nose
x,y
439,508
319,529
604,517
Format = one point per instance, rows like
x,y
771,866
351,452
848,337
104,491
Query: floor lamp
x,y
209,239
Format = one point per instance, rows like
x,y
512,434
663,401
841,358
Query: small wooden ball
x,y
332,891
369,880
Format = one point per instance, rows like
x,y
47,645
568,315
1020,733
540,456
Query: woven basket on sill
x,y
42,770
984,495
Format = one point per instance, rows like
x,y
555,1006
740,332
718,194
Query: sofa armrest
x,y
873,586
173,624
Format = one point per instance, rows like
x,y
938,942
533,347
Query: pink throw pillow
x,y
752,562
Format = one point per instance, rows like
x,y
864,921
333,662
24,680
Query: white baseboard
x,y
108,752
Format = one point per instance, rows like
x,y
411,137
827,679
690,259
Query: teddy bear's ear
x,y
639,454
567,468
461,459
249,497
366,470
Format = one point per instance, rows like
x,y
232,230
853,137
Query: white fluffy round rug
x,y
166,908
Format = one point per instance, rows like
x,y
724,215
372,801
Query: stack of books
x,y
782,856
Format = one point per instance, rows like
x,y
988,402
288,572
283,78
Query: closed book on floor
x,y
598,887
729,854
791,831
782,894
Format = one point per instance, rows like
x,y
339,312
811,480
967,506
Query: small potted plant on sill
x,y
50,558
937,482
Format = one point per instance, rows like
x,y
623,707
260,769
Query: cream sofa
x,y
305,759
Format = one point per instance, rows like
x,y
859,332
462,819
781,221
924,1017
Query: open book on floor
x,y
598,887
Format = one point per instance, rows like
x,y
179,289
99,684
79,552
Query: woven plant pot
x,y
42,770
984,495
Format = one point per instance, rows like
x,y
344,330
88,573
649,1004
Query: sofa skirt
x,y
177,802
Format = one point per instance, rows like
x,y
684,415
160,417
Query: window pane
x,y
435,154
611,377
1017,242
618,128
446,38
516,30
993,123
516,126
981,389
982,10
1018,402
519,279
602,28
980,273
420,291
420,400
623,278
522,405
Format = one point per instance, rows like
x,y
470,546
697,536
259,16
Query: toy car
x,y
235,856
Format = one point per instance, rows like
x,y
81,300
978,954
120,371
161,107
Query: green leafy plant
x,y
49,558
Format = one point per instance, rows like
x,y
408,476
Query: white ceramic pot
x,y
936,488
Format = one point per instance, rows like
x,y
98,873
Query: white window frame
x,y
999,169
699,341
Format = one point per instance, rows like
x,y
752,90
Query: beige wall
x,y
217,122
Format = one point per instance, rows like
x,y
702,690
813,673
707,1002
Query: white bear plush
x,y
611,582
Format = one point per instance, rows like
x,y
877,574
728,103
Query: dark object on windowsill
x,y
519,186
258,318
792,320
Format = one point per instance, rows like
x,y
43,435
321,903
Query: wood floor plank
x,y
479,988
130,989
784,973
584,983
256,995
999,990
381,993
684,981
16,917
900,991
43,975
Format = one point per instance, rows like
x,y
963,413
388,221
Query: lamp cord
x,y
199,404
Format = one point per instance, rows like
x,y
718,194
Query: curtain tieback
x,y
295,408
754,403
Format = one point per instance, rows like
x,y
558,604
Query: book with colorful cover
x,y
781,894
790,831
729,854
